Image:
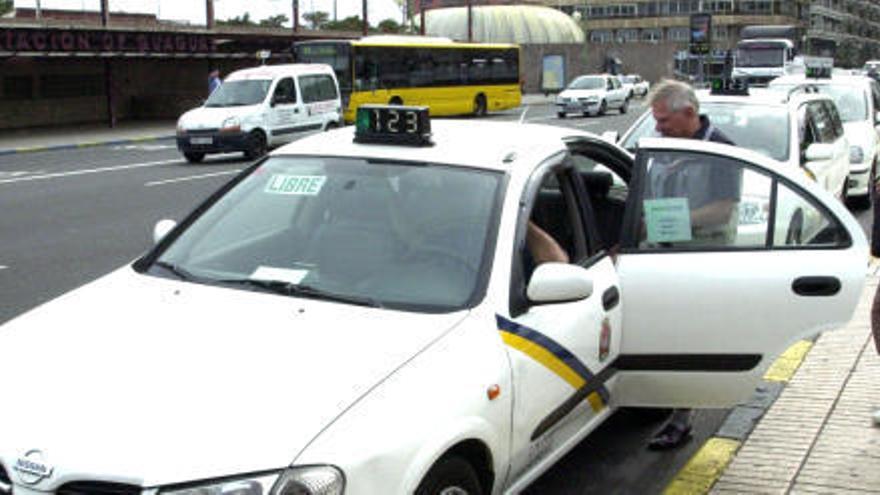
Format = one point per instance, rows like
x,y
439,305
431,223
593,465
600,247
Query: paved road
x,y
69,217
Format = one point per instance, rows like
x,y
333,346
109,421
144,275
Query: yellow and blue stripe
x,y
552,356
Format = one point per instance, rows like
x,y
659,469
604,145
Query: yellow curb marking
x,y
29,150
88,144
785,366
704,468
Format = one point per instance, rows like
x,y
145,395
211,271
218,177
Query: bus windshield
x,y
760,55
335,54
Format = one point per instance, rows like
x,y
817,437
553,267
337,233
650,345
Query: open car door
x,y
726,259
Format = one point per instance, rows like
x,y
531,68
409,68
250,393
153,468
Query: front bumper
x,y
577,106
212,142
857,181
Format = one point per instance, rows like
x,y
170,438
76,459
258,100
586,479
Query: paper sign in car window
x,y
668,220
297,185
279,274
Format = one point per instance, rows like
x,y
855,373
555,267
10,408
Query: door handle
x,y
610,298
816,286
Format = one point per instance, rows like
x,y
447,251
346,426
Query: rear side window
x,y
318,87
822,120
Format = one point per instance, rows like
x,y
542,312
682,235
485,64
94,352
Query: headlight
x,y
231,124
753,212
856,154
180,128
313,480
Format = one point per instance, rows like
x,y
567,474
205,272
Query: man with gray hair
x,y
711,190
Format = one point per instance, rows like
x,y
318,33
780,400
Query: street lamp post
x,y
366,22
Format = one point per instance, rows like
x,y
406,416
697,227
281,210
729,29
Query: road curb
x,y
88,144
707,465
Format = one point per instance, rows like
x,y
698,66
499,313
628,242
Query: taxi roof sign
x,y
818,67
392,124
729,86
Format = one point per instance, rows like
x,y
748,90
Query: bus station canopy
x,y
523,24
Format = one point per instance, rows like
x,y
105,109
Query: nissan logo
x,y
32,467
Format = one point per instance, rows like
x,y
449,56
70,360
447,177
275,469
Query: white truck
x,y
767,52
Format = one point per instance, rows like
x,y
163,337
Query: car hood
x,y
213,117
861,133
153,381
581,93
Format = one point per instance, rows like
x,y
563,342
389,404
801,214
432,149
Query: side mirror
x,y
559,282
611,136
819,151
162,228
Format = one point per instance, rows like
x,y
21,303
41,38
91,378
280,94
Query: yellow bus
x,y
451,78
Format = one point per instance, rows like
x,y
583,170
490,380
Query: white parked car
x,y
357,314
592,94
858,102
640,87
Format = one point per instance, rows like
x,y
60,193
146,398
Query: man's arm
x,y
542,246
715,213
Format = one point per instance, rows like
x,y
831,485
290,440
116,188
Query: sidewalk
x,y
817,436
77,136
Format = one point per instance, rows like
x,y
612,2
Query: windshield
x,y
761,128
239,93
850,100
630,79
587,83
406,236
763,55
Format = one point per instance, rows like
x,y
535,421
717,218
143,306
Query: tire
x,y
561,115
480,106
396,100
864,202
794,235
450,476
624,106
603,107
193,157
257,145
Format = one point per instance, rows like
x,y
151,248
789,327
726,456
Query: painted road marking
x,y
87,171
3,267
785,366
192,177
704,468
145,147
19,173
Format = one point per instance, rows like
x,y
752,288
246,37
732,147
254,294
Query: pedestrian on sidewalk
x,y
676,110
875,252
214,81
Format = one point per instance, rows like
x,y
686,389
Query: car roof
x,y
848,79
476,144
273,71
761,96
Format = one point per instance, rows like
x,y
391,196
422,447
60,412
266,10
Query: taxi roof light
x,y
393,125
733,86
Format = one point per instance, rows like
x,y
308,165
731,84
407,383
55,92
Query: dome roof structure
x,y
524,24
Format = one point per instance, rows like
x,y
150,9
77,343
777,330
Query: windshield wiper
x,y
181,273
301,290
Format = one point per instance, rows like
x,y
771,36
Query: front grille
x,y
97,488
5,482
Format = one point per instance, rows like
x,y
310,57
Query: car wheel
x,y
865,201
480,108
603,107
450,476
561,115
794,236
257,145
624,106
194,157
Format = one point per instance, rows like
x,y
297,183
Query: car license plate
x,y
201,140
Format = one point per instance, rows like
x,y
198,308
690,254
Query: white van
x,y
261,107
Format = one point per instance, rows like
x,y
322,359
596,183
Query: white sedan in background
x,y
359,313
592,94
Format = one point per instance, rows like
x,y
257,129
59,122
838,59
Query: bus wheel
x,y
395,101
480,108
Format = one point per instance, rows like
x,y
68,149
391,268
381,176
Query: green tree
x,y
316,19
275,21
244,20
5,6
390,26
352,23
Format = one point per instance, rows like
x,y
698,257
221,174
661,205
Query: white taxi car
x,y
592,94
358,314
858,101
